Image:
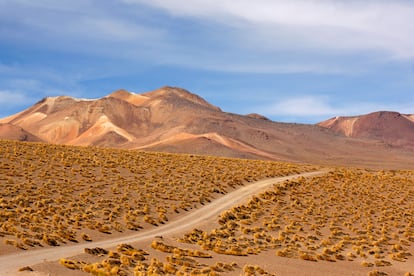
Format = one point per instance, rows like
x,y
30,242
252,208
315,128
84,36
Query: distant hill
x,y
12,132
176,120
391,128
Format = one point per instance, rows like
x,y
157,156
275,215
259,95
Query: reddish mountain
x,y
12,132
391,128
175,120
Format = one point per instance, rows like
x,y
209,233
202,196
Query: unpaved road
x,y
9,264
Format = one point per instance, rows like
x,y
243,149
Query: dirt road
x,y
9,264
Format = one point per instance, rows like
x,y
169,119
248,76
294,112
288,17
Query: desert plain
x,y
68,210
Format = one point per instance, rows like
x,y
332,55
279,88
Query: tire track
x,y
9,264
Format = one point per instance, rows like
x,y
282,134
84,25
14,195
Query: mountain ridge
x,y
176,120
390,127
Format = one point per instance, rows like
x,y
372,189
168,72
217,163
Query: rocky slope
x,y
391,128
175,120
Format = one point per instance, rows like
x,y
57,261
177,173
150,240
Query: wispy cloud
x,y
90,27
17,94
306,106
12,98
330,25
315,108
225,36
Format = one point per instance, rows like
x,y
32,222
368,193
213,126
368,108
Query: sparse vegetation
x,y
52,194
127,260
347,214
251,270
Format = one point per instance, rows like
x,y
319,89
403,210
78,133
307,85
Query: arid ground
x,y
76,210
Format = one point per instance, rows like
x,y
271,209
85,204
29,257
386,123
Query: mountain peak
x,y
257,116
120,93
389,127
170,92
165,92
132,98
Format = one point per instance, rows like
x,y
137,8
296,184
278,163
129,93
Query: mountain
x,y
12,132
176,120
391,128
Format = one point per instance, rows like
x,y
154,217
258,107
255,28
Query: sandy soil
x,y
9,264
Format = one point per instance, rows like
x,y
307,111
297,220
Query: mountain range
x,y
175,120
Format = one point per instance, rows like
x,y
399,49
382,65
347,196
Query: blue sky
x,y
292,61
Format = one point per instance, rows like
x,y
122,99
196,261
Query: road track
x,y
9,264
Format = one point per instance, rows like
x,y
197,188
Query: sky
x,y
300,61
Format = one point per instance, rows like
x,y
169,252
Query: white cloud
x,y
92,27
23,91
270,66
263,36
301,24
317,108
306,106
12,98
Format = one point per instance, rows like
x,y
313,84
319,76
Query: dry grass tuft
x,y
377,273
361,216
52,194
